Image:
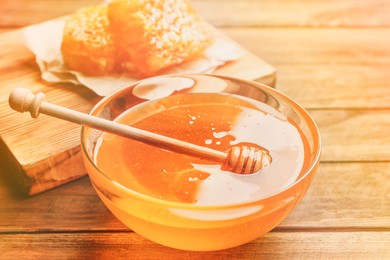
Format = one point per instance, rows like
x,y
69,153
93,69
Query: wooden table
x,y
331,56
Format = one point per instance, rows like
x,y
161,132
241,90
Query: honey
x,y
218,121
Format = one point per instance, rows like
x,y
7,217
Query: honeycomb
x,y
87,44
139,37
157,35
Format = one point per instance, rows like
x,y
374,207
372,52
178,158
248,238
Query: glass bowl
x,y
188,226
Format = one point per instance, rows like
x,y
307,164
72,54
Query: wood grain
x,y
19,13
275,245
325,68
29,161
331,56
350,196
285,13
270,13
336,86
330,46
346,196
354,134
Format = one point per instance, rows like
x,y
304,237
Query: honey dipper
x,y
239,159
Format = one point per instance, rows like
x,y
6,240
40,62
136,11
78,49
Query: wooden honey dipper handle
x,y
239,159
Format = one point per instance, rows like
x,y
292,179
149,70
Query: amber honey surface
x,y
213,120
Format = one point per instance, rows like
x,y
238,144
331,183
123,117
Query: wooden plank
x,y
263,13
330,46
344,86
349,196
18,69
345,195
354,135
19,13
275,245
285,13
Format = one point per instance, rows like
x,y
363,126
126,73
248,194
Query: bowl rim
x,y
181,205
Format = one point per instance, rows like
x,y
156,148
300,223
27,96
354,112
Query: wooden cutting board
x,y
44,153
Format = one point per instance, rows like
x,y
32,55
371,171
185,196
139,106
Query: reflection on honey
x,y
218,121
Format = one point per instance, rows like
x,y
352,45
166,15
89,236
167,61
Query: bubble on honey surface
x,y
220,134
